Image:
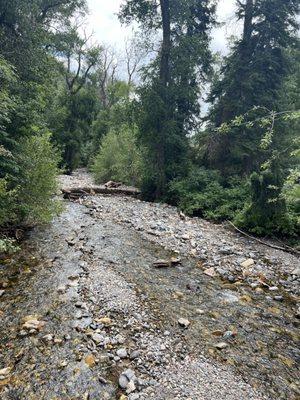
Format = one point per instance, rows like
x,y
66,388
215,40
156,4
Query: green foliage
x,y
204,194
252,77
267,211
291,193
37,181
7,203
119,158
8,246
169,96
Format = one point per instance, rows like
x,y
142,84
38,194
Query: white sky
x,y
107,28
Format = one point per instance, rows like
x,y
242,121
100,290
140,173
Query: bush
x,y
267,213
204,194
7,203
37,180
119,158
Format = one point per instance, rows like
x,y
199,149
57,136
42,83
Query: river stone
x,y
296,271
183,322
4,372
210,272
134,354
123,381
161,264
130,387
247,263
129,373
122,353
97,338
221,345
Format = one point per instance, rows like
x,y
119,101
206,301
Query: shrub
x,y
7,203
37,180
119,158
202,193
267,213
8,245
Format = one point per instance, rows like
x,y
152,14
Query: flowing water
x,y
262,335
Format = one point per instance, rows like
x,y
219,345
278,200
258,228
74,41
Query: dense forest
x,y
217,136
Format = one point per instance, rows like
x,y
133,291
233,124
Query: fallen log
x,y
76,192
272,246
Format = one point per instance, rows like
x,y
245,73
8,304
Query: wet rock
x,y
2,292
278,298
183,322
273,288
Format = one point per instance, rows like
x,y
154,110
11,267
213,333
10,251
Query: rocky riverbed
x,y
122,299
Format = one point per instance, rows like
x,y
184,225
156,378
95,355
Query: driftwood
x,y
73,193
273,246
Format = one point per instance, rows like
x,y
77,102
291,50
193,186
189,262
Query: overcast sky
x,y
104,22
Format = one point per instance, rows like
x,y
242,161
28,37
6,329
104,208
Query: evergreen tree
x,y
252,76
169,98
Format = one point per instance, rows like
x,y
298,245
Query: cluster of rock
x,y
223,253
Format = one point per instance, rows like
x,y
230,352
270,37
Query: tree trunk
x,y
164,76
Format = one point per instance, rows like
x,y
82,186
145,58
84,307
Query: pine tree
x,y
252,76
169,100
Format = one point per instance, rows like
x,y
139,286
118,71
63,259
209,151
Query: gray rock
x,y
122,353
278,298
123,381
134,354
97,338
129,373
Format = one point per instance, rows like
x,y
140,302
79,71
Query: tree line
x,y
68,102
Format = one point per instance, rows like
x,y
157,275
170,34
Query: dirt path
x,y
102,322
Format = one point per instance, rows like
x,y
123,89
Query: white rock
x,y
130,387
183,322
247,263
221,345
